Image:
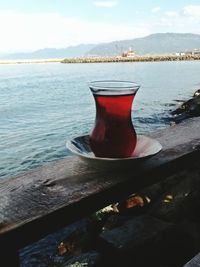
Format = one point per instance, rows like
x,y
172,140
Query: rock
x,y
134,204
190,108
89,259
177,246
180,201
115,221
134,243
192,205
197,93
192,230
134,232
143,201
75,243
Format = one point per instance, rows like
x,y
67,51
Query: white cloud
x,y
31,31
171,13
192,10
155,9
106,4
183,20
28,32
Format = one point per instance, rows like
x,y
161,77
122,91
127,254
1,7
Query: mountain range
x,y
159,43
71,51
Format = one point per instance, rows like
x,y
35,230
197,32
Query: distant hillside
x,y
71,51
154,44
159,43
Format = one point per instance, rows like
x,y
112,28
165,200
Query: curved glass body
x,y
113,135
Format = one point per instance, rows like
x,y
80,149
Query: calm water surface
x,y
44,105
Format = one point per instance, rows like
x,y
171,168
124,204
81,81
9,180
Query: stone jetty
x,y
150,58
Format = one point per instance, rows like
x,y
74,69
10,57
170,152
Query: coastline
x,y
30,61
115,59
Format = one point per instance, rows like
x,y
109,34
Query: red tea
x,y
113,135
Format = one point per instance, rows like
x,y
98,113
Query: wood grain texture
x,y
45,199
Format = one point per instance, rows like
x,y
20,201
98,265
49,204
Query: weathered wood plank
x,y
49,197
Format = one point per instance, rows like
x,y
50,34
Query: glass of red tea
x,y
113,135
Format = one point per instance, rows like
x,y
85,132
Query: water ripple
x,y
42,106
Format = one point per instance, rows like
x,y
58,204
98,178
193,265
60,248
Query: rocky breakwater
x,y
113,59
158,226
189,108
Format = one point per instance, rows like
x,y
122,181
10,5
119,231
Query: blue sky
x,y
28,25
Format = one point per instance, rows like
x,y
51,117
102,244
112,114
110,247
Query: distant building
x,y
130,53
195,52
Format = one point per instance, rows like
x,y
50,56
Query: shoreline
x,y
150,58
30,61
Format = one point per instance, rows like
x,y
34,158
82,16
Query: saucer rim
x,y
69,146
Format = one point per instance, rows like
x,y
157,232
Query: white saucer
x,y
145,147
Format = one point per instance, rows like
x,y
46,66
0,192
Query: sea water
x,y
44,105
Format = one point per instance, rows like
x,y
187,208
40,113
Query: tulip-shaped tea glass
x,y
113,135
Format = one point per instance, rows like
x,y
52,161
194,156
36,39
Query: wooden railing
x,y
43,200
